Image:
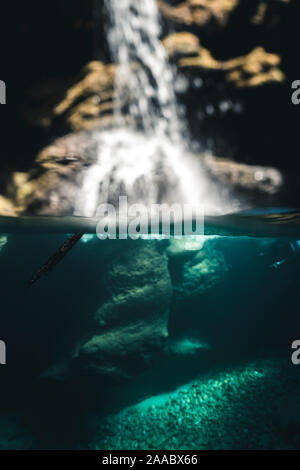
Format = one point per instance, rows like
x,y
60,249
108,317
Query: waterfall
x,y
144,73
145,156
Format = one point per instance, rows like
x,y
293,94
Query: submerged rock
x,y
130,327
200,272
13,435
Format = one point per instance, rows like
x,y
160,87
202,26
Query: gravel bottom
x,y
254,406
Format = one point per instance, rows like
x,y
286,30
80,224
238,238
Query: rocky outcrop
x,y
203,269
87,102
241,177
8,208
215,15
82,104
256,68
199,13
51,187
218,94
129,329
267,12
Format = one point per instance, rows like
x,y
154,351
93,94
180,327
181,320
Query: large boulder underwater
x,y
118,322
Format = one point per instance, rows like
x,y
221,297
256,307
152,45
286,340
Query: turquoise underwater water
x,y
150,344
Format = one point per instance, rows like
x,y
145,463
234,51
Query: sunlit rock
x,y
181,43
256,68
52,186
7,207
246,178
200,272
200,13
83,103
53,190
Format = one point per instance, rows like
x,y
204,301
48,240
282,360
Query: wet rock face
x,y
84,103
230,90
256,68
210,14
87,102
257,184
129,329
51,187
214,16
7,208
234,74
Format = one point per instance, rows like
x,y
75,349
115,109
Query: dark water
x,y
223,378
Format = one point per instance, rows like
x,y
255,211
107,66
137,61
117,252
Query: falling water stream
x,y
146,155
144,71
